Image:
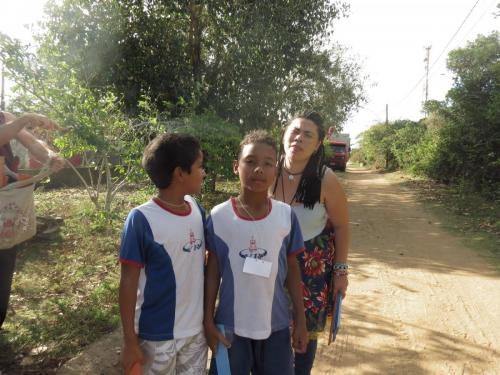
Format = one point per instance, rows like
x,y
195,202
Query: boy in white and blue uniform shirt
x,y
162,259
252,242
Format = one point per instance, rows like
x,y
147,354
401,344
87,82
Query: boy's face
x,y
256,167
193,181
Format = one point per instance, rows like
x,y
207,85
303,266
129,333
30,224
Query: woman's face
x,y
301,139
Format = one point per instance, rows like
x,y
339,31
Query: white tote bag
x,y
17,211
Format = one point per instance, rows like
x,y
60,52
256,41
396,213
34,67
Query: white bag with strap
x,y
17,211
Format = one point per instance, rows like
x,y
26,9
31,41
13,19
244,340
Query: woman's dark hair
x,y
309,188
166,152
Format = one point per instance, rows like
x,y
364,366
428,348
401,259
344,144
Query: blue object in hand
x,y
337,311
222,358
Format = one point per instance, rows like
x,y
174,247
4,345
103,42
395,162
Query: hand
x,y
340,285
56,163
213,336
300,338
41,121
131,354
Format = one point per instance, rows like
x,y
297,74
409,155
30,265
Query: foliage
x,y
131,48
406,143
376,145
95,125
468,151
459,141
219,140
252,63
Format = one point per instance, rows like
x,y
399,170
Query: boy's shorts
x,y
260,357
186,356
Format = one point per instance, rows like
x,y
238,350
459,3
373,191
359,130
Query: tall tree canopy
x,y
253,63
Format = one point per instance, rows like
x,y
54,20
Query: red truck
x,y
341,147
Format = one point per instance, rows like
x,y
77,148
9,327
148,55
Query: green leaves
x,y
252,63
459,141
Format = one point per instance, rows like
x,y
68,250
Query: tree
x,y
132,48
469,143
95,125
253,63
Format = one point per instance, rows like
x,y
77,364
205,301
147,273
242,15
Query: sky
x,y
386,37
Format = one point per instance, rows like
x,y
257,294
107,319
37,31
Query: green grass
x,y
65,291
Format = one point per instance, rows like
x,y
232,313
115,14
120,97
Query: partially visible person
x,y
317,199
252,242
162,257
13,128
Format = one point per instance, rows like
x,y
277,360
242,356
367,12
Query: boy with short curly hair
x,y
162,259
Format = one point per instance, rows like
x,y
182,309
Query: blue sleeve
x,y
295,240
133,241
203,218
210,236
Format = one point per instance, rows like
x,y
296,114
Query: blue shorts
x,y
260,357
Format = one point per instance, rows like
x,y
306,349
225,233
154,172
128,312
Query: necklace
x,y
247,212
182,205
291,176
283,192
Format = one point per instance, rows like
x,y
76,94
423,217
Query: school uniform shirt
x,y
249,305
170,249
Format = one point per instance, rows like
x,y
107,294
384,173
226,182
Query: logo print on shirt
x,y
193,244
253,251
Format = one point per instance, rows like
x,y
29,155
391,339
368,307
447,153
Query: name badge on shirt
x,y
257,267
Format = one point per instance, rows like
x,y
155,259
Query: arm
x,y
13,125
15,128
336,206
212,281
294,286
129,280
40,150
11,128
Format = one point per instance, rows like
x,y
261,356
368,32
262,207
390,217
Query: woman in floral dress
x,y
320,204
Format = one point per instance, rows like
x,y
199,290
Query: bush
x,y
219,140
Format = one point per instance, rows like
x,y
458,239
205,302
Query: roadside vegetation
x,y
453,153
457,143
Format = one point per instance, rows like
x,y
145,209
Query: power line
x,y
455,34
488,9
479,19
440,54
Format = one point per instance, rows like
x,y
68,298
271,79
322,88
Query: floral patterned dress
x,y
316,264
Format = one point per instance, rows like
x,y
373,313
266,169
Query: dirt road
x,y
419,302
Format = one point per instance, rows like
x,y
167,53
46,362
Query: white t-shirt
x,y
170,249
249,305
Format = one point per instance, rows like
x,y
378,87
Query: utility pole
x,y
387,156
2,94
426,61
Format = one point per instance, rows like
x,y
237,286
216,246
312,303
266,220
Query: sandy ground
x,y
419,302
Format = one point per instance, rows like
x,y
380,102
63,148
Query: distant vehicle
x,y
340,144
